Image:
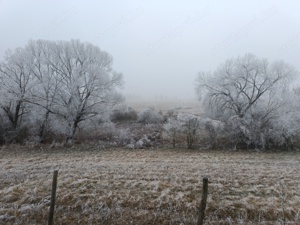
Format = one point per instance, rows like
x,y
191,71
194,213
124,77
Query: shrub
x,y
124,114
108,131
149,115
214,132
191,126
19,135
172,130
184,126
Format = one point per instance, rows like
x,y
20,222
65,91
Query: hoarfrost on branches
x,y
248,94
71,80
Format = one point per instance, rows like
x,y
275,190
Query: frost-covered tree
x,y
86,83
43,94
241,83
16,81
71,80
285,130
249,90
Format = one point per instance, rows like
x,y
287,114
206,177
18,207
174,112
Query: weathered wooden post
x,y
53,194
203,202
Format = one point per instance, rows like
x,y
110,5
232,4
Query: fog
x,y
160,46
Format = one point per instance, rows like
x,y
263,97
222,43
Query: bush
x,y
124,114
190,128
172,130
18,136
108,131
186,127
151,116
214,130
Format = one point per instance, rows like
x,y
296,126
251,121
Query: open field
x,y
158,186
192,106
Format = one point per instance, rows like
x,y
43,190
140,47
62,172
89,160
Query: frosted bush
x,y
172,130
124,113
149,115
190,127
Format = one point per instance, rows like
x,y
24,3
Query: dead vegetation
x,y
116,186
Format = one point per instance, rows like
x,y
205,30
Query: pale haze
x,y
160,46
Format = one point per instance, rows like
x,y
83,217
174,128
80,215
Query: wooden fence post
x,y
53,194
203,202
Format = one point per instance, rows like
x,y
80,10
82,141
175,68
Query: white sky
x,y
160,46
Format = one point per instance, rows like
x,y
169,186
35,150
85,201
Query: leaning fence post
x,y
53,194
203,202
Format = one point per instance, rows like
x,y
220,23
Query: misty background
x,y
160,46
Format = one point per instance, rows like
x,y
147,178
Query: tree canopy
x,y
69,79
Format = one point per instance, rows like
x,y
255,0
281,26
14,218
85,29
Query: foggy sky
x,y
160,46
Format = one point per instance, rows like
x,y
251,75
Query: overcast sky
x,y
160,46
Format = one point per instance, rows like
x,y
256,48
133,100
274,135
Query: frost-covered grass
x,y
159,186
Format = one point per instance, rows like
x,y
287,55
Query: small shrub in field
x,y
190,128
214,130
149,115
186,127
108,131
172,130
19,135
124,114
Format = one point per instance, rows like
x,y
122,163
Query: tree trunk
x,y
72,130
263,141
13,114
44,128
189,142
174,142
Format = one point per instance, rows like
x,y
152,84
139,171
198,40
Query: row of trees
x,y
55,84
59,87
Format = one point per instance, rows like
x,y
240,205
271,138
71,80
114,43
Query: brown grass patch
x,y
148,186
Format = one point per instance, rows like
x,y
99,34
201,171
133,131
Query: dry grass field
x,y
157,186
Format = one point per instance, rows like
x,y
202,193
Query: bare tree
x,y
44,92
16,81
238,84
71,80
249,88
85,83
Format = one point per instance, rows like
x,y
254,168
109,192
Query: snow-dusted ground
x,y
160,186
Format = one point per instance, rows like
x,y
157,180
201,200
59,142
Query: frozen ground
x,y
158,186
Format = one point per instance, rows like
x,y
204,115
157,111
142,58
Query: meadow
x,y
192,106
151,186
